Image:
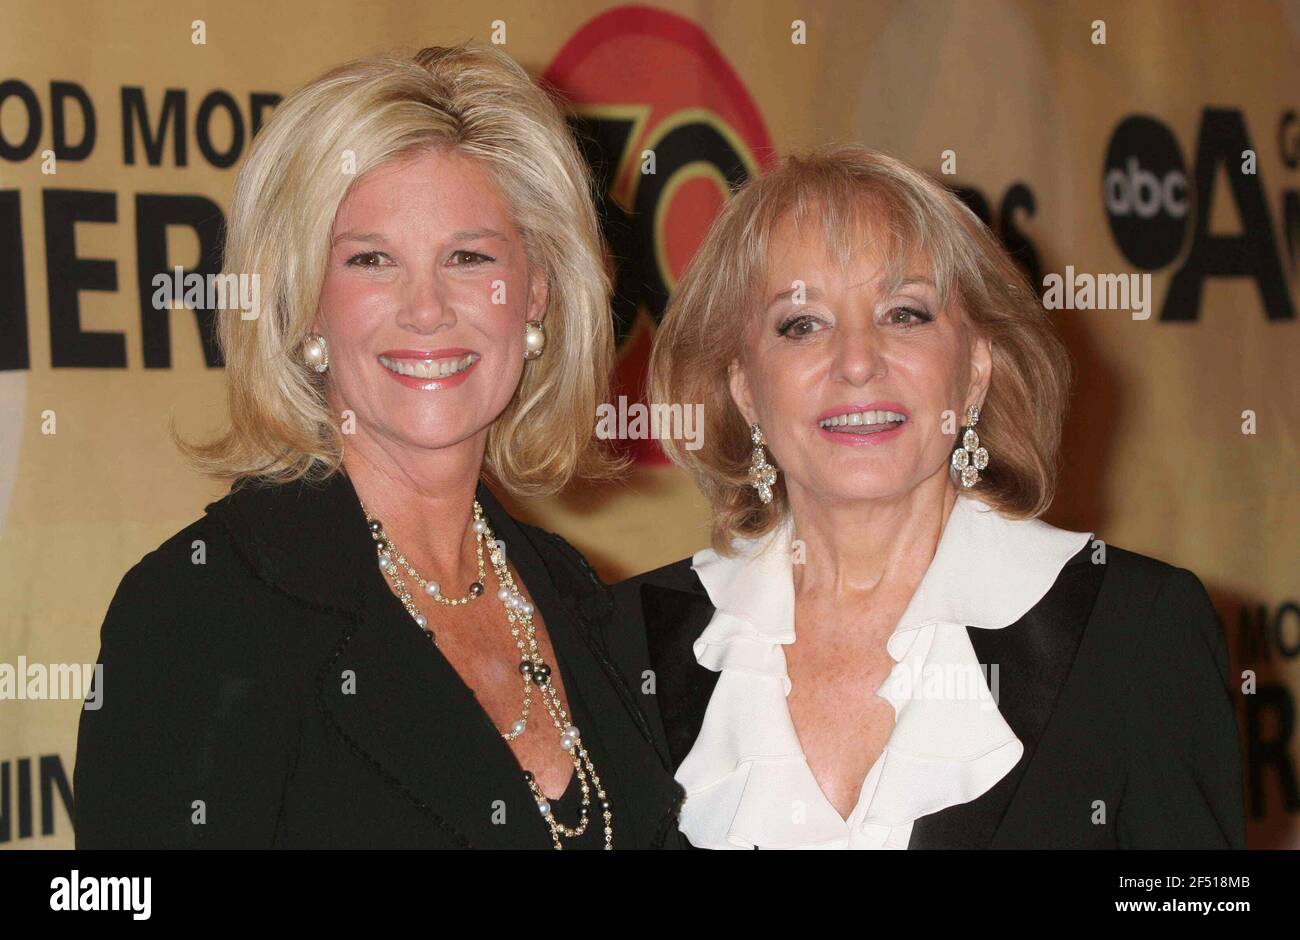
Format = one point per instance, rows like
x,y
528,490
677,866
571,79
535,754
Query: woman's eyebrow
x,y
908,281
463,235
813,293
473,233
371,237
810,293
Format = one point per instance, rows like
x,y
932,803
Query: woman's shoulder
x,y
1159,618
569,570
179,619
1159,659
571,575
678,575
1141,580
178,562
668,604
206,577
184,579
219,542
560,553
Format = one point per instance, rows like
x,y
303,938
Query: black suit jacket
x,y
225,694
1116,683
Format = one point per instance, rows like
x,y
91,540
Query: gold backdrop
x,y
1102,138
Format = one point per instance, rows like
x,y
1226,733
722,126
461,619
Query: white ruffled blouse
x,y
746,779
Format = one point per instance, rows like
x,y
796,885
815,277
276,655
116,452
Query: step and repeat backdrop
x,y
1156,141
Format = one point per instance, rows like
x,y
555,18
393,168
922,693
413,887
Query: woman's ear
x,y
538,295
739,384
981,369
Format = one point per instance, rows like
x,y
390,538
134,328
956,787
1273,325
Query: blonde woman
x,y
358,646
885,647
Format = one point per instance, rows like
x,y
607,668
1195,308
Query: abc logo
x,y
1146,193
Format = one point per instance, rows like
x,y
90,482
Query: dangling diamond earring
x,y
315,353
970,458
762,475
534,339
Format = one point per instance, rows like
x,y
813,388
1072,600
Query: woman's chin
x,y
845,483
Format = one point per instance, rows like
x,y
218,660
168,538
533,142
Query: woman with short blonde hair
x,y
473,101
885,647
325,659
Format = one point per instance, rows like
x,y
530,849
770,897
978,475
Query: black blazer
x,y
1116,683
224,683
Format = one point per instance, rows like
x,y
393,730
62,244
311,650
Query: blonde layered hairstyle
x,y
855,195
478,103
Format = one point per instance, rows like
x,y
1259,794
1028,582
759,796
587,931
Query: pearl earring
x,y
534,339
762,475
970,458
315,353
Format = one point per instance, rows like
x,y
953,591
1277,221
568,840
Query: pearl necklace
x,y
533,669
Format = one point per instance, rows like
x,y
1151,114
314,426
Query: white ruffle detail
x,y
746,778
733,645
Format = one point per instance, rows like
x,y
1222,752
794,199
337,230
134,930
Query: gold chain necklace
x,y
533,669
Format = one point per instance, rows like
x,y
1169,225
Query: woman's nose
x,y
858,355
426,306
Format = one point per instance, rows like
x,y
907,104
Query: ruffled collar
x,y
949,745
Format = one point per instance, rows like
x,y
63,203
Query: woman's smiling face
x,y
424,301
851,374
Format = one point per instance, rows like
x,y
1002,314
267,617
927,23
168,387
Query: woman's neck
x,y
425,501
853,550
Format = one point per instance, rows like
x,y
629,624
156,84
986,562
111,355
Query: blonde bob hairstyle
x,y
473,101
855,195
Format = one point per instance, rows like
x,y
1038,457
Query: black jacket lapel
x,y
674,620
1032,658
